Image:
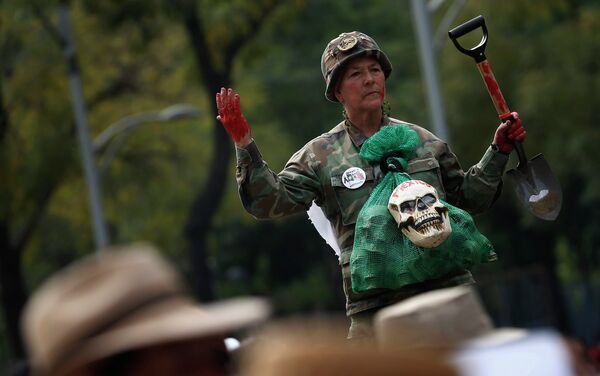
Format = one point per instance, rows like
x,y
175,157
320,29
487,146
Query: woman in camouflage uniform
x,y
329,171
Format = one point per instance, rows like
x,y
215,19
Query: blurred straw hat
x,y
121,299
443,319
319,347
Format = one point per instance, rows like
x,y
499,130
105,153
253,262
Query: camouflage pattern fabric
x,y
315,173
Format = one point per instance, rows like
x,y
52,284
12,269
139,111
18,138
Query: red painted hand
x,y
231,116
509,131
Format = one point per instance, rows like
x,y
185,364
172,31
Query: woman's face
x,y
362,85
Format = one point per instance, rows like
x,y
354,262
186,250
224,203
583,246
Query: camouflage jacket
x,y
314,173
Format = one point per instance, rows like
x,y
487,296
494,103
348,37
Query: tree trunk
x,y
207,202
202,212
12,290
13,294
208,199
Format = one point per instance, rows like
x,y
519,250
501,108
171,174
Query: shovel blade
x,y
537,188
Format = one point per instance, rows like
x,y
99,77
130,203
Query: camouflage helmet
x,y
343,48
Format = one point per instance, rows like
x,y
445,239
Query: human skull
x,y
421,216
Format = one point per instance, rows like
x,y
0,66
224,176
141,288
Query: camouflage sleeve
x,y
476,189
266,194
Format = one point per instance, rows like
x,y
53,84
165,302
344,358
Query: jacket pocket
x,y
427,170
350,201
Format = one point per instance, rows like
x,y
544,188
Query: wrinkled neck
x,y
368,123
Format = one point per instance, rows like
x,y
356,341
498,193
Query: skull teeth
x,y
429,222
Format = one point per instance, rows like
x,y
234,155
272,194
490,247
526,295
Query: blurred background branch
x,y
111,139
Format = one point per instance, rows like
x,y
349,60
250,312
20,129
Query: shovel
x,y
533,181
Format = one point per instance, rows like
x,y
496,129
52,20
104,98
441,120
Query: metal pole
x,y
429,69
89,166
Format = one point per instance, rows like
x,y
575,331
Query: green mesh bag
x,y
382,257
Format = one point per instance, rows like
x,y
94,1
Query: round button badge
x,y
354,177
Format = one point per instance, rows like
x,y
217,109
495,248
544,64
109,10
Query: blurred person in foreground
x,y
593,352
124,312
454,322
441,332
330,172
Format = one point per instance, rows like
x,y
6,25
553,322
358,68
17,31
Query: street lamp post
x,y
429,48
89,166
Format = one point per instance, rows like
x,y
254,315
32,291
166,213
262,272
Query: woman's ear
x,y
338,94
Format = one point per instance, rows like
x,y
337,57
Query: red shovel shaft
x,y
492,86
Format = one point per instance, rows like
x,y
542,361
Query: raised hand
x,y
509,131
230,115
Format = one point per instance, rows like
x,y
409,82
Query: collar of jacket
x,y
357,137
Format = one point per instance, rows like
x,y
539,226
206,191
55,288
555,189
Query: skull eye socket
x,y
429,199
408,206
426,201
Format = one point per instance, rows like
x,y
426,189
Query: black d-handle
x,y
477,52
